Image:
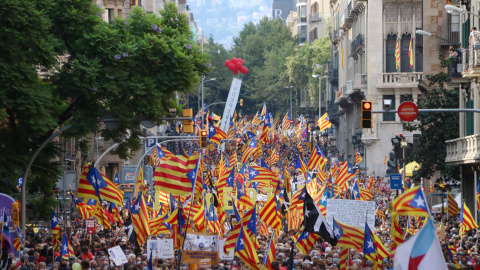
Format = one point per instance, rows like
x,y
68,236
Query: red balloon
x,y
239,65
243,70
235,71
233,60
232,66
246,70
227,63
240,60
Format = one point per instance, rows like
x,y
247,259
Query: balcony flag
x,y
397,55
410,53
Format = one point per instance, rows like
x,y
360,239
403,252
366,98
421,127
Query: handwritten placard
x,y
221,254
351,212
116,253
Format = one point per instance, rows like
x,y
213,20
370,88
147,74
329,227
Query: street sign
x,y
395,181
438,194
150,143
199,121
407,111
291,121
90,225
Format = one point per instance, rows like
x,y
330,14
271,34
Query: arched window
x,y
390,53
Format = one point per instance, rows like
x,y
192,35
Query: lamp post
x,y
428,34
451,8
203,81
319,93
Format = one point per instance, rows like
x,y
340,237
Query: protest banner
x,y
201,249
116,253
351,212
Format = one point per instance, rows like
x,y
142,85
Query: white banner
x,y
351,212
231,104
160,248
116,253
221,254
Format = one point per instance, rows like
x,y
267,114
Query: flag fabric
x,y
304,241
95,185
430,188
171,176
478,196
453,262
140,219
67,248
245,249
348,236
269,213
317,160
385,160
215,134
235,232
212,221
422,251
344,175
161,154
286,122
249,151
140,184
452,206
244,201
397,55
271,255
411,202
358,157
266,128
467,222
410,52
18,241
116,179
54,223
396,235
315,222
369,246
324,122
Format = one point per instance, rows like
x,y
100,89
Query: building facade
x,y
465,150
310,21
363,66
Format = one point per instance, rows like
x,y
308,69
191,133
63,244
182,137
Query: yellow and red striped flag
x,y
397,55
467,222
396,235
108,190
171,176
18,241
410,52
411,202
161,154
385,160
286,122
245,249
452,206
304,241
358,157
269,213
67,248
271,255
140,219
430,187
324,122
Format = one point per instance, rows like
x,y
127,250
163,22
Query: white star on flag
x,y
137,207
336,232
370,244
419,202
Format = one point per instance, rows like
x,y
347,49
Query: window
x,y
404,98
404,58
418,53
390,53
389,116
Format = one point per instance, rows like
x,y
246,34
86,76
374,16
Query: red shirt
x,y
89,256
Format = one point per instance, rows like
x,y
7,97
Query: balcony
x,y
454,68
360,82
463,150
471,62
315,16
357,45
450,38
399,80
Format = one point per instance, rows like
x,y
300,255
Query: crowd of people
x,y
91,251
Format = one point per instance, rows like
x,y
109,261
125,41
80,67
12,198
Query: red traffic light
x,y
367,105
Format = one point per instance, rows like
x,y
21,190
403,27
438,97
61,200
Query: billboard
x,y
281,8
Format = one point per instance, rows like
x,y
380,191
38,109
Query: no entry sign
x,y
407,111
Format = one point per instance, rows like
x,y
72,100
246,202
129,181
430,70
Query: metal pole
x,y
203,78
319,97
291,113
27,171
432,110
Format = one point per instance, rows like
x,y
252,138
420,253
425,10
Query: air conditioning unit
x,y
349,87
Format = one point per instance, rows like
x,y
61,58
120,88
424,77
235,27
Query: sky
x,y
224,19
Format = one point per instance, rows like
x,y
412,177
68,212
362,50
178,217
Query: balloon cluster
x,y
236,65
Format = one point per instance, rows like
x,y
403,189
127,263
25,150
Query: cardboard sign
x,y
161,248
116,253
261,198
351,212
201,249
90,226
221,254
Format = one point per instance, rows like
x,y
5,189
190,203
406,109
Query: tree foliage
x,y
127,69
436,128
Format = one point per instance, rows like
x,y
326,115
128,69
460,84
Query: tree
x,y
127,69
435,128
264,48
302,65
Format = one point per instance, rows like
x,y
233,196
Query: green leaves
x,y
436,128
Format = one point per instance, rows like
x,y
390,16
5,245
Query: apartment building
x,y
310,21
363,66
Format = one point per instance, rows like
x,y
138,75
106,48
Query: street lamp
x,y
319,92
428,34
203,81
451,8
290,87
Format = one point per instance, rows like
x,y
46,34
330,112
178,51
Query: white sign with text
x,y
351,212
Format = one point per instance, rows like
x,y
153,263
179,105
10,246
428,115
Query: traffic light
x,y
16,213
203,138
187,124
241,102
366,114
